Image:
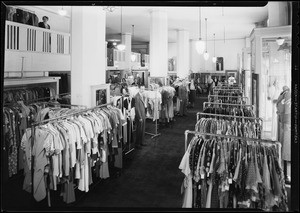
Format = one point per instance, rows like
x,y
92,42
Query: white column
x,y
195,57
278,13
126,40
88,29
183,54
159,44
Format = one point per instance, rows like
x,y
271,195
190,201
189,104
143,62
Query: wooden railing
x,y
22,37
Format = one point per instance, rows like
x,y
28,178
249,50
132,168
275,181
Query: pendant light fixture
x,y
133,56
62,12
214,59
121,46
200,45
206,54
279,41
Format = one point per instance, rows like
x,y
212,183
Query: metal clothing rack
x,y
241,105
229,116
129,142
33,125
229,136
224,96
156,133
227,89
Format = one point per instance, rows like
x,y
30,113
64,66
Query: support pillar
x,y
88,52
278,14
159,43
183,54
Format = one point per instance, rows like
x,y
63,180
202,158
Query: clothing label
x,y
253,198
199,187
207,175
202,176
230,181
226,188
276,198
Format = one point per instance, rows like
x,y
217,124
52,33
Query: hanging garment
x,y
232,174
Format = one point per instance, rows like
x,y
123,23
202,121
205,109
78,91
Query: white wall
x,y
56,22
228,50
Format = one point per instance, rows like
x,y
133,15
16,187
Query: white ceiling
x,y
238,21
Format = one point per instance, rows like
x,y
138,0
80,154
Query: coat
x,y
139,107
182,93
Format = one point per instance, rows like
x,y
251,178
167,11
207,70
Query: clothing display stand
x,y
226,104
130,149
224,96
156,132
278,144
51,120
228,116
228,98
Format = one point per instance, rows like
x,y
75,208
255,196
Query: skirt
x,y
192,96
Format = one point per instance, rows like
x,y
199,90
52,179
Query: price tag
x,y
202,176
276,198
199,187
253,198
230,181
207,175
226,188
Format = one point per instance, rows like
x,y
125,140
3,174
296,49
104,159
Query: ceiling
x,y
238,21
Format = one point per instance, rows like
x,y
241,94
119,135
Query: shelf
x,y
33,80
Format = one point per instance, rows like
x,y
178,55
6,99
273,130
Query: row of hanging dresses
x,y
167,112
230,110
129,113
228,100
67,151
21,16
226,92
16,118
228,173
153,101
28,94
249,129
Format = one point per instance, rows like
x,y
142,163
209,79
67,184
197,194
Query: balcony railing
x,y
22,37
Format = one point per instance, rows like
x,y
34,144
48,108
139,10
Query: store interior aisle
x,y
150,177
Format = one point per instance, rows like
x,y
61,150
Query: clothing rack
x,y
229,136
224,96
229,116
156,133
122,107
21,8
241,105
227,89
50,121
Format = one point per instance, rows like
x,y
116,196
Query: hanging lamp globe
x,y
200,46
214,59
62,12
279,41
121,47
133,57
206,56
